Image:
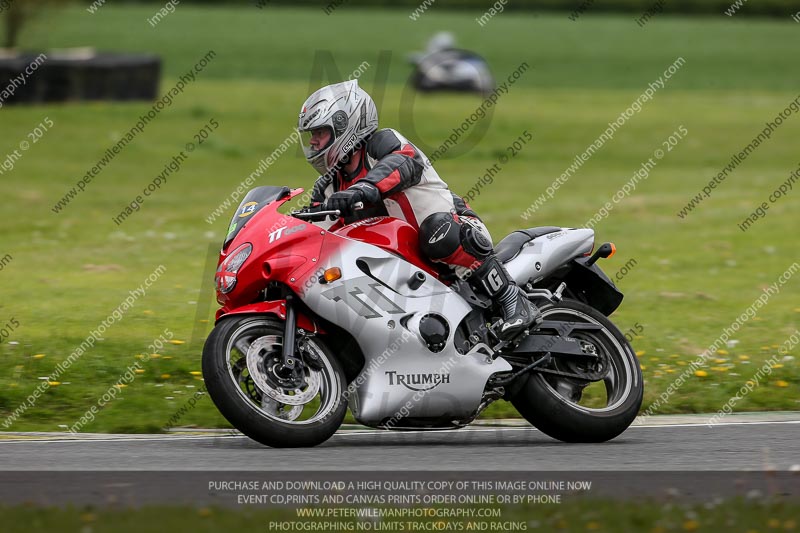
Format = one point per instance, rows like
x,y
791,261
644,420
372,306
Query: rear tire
x,y
541,400
242,401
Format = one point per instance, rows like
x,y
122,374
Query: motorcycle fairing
x,y
287,251
395,236
543,255
401,377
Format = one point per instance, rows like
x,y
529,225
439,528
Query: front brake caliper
x,y
309,354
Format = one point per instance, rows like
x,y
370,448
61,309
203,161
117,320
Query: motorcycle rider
x,y
392,177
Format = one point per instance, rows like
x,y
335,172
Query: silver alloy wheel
x,y
312,402
618,376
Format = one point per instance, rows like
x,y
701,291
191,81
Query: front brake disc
x,y
256,355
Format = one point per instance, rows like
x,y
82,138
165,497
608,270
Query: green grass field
x,y
693,277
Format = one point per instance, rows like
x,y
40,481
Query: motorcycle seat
x,y
512,244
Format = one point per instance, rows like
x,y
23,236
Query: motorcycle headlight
x,y
229,268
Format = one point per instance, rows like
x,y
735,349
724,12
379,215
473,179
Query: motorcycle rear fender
x,y
276,308
591,285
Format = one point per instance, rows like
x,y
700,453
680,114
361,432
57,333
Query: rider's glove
x,y
318,191
345,200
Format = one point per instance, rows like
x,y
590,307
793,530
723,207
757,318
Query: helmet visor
x,y
316,141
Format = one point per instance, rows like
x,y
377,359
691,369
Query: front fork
x,y
289,362
291,365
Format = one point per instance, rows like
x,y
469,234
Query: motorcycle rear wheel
x,y
237,361
551,403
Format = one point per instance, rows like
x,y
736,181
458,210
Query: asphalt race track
x,y
764,445
681,459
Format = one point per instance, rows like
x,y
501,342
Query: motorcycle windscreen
x,y
251,204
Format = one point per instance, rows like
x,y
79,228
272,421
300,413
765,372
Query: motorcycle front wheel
x,y
240,359
596,408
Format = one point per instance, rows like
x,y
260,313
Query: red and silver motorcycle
x,y
315,320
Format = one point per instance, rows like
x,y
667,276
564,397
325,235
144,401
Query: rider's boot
x,y
492,279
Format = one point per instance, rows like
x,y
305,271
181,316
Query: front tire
x,y
553,403
237,361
